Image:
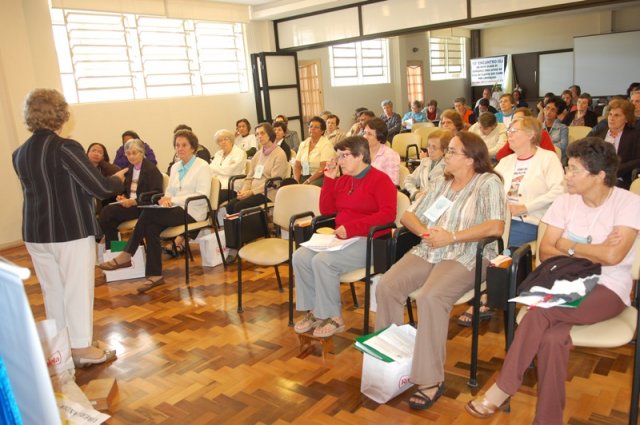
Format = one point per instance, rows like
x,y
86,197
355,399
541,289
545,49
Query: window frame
x,y
359,63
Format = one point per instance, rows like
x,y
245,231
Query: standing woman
x,y
460,209
190,176
313,154
595,221
97,154
228,161
141,176
58,222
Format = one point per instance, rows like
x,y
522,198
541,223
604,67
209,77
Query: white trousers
x,y
66,271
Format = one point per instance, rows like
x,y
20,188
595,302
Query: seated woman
x,y
98,156
619,131
383,157
202,151
596,221
280,128
431,167
533,178
142,176
414,115
291,137
431,111
228,161
313,154
362,197
558,132
492,132
582,115
461,208
333,133
545,139
245,140
190,176
452,121
121,158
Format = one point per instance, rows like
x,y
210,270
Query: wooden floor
x,y
185,356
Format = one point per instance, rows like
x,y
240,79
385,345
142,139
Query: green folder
x,y
361,345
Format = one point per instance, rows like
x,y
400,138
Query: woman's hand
x,y
128,203
517,210
165,201
331,168
341,232
244,194
437,237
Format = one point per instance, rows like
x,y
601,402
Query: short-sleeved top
x,y
570,213
322,152
482,199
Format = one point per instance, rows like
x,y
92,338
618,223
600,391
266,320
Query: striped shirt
x,y
59,184
482,199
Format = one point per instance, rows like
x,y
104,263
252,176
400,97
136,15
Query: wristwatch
x,y
572,251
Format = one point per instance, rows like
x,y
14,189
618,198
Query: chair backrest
x,y
507,227
402,140
635,186
577,132
214,193
541,228
165,182
404,172
402,204
295,199
424,133
416,125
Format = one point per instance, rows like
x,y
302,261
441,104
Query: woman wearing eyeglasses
x,y
431,166
596,221
361,198
460,208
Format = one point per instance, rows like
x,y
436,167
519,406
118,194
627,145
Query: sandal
x,y
485,314
426,401
150,285
307,323
485,409
327,328
114,265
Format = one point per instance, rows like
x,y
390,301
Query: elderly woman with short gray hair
x,y
229,161
141,176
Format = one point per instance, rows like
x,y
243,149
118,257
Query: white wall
x,y
28,60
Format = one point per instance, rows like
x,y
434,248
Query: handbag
x,y
254,226
559,267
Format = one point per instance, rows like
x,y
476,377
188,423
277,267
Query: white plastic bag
x,y
209,249
134,272
56,347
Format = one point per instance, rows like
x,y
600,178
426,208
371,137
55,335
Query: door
x,y
525,74
310,90
277,88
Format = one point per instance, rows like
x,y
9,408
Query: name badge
x,y
305,168
438,208
259,171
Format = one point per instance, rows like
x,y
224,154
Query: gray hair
x,y
135,144
223,134
386,102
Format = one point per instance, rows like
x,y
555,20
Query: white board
x,y
555,72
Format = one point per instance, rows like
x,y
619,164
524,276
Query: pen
x,y
545,298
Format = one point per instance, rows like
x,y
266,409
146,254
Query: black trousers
x,y
151,223
110,218
235,205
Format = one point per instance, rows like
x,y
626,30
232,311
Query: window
x,y
111,56
364,62
415,86
447,58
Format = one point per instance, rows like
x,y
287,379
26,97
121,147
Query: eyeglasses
x,y
344,155
452,152
433,147
512,130
574,171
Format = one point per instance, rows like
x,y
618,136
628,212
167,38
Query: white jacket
x,y
197,181
232,165
540,186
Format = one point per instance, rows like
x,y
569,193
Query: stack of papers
x,y
321,242
392,344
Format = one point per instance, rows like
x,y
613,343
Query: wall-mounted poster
x,y
488,71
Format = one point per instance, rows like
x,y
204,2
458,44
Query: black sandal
x,y
428,402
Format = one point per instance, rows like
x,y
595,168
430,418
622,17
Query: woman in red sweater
x,y
362,197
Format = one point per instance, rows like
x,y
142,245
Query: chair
x,y
614,332
424,133
416,125
185,228
127,226
292,203
635,186
577,132
404,143
404,172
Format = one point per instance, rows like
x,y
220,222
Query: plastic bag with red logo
x,y
56,347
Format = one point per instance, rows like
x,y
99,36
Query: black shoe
x,y
231,258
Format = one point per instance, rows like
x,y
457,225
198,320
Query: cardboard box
x,y
102,393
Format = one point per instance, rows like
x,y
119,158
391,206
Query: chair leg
x,y
412,321
475,325
353,294
240,309
278,277
367,305
187,256
290,293
635,386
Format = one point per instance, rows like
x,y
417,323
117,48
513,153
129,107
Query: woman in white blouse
x,y
313,154
228,161
190,176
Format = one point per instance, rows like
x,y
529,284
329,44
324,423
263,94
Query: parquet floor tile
x,y
185,356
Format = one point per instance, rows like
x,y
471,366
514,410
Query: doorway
x,y
310,91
